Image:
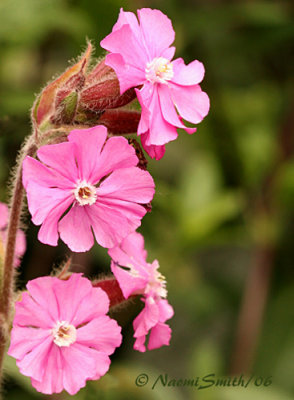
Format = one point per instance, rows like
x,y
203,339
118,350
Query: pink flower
x,y
61,336
136,276
94,182
141,56
20,245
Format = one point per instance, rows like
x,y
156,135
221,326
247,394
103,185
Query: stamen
x,y
157,282
64,334
159,70
85,193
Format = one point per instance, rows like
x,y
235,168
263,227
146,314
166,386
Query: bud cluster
x,y
85,95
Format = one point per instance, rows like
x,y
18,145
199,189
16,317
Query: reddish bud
x,y
120,121
104,95
66,110
59,89
112,289
98,73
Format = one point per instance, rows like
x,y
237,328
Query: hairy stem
x,y
65,269
7,288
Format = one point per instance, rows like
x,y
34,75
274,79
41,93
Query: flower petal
x,y
4,213
71,305
28,312
110,225
191,102
34,363
48,233
187,75
127,18
60,157
20,246
88,145
123,41
153,151
159,336
81,363
147,318
52,381
130,184
37,288
128,75
25,339
139,344
157,31
165,310
92,306
128,283
168,109
102,334
169,53
116,154
35,171
131,248
42,200
76,219
160,131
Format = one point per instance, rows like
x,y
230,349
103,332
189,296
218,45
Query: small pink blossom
x,y
136,276
141,55
88,183
61,335
20,245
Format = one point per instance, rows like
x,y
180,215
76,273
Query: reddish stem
x,y
6,295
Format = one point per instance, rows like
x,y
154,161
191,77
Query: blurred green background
x,y
222,223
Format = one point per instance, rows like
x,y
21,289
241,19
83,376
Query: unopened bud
x,y
120,121
66,110
112,289
104,95
98,73
45,106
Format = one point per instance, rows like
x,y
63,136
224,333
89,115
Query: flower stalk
x,y
8,270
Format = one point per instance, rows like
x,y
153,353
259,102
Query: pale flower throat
x,y
159,70
157,282
85,193
64,334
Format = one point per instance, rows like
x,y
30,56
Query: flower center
x,y
64,334
157,284
159,70
85,193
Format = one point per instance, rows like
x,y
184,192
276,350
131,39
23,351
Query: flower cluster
x,y
85,182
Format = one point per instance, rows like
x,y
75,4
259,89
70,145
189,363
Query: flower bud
x,y
105,94
45,106
120,121
112,289
66,110
79,96
99,72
